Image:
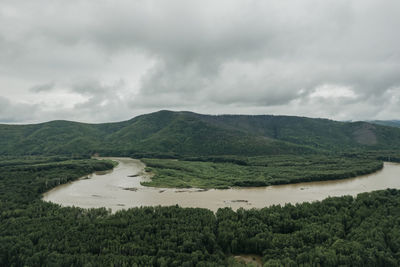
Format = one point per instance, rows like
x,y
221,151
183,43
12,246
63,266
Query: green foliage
x,y
340,231
225,172
173,134
347,231
36,233
392,123
384,155
23,180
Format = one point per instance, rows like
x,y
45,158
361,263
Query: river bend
x,y
120,188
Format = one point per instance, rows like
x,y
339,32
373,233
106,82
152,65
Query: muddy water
x,y
121,189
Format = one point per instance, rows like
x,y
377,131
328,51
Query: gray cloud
x,y
99,61
43,87
16,112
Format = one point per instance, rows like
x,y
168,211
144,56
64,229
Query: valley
x,y
345,230
186,189
118,190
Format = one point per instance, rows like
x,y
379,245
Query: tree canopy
x,y
361,231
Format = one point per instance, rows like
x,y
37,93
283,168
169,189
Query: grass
x,y
257,171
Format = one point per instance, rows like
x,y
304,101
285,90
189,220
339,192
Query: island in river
x,y
121,188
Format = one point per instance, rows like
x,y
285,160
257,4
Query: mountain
x,y
185,133
391,123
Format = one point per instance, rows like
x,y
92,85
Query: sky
x,y
103,60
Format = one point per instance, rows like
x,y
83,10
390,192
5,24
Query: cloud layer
x,y
104,60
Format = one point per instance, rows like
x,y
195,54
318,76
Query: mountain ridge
x,y
391,123
187,133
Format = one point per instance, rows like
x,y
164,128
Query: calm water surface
x,y
117,189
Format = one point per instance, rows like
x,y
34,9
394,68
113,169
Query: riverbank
x,y
122,189
360,231
256,171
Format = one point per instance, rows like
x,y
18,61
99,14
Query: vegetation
x,y
24,180
254,171
200,151
178,134
334,232
362,231
392,123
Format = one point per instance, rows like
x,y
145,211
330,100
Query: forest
x,y
225,172
361,231
183,134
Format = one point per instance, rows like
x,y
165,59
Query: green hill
x,y
191,134
391,123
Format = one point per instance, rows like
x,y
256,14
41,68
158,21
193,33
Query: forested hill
x,y
392,123
186,133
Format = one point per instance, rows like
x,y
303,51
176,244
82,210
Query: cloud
x,y
332,91
43,87
16,112
107,60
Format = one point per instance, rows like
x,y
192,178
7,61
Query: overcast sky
x,y
100,61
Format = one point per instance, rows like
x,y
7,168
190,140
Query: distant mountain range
x,y
391,123
165,133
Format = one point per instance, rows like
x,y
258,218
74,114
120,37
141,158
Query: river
x,y
120,189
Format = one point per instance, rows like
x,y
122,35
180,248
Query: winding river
x,y
120,189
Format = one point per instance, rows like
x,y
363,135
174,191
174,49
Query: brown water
x,y
116,190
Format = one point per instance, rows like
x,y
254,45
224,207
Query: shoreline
x,y
110,191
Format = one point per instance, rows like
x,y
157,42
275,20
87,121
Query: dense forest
x,y
202,151
392,123
177,134
362,231
225,172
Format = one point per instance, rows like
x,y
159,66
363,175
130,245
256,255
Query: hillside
x,y
185,133
391,123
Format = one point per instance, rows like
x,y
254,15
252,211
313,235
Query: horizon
x,y
178,111
338,60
